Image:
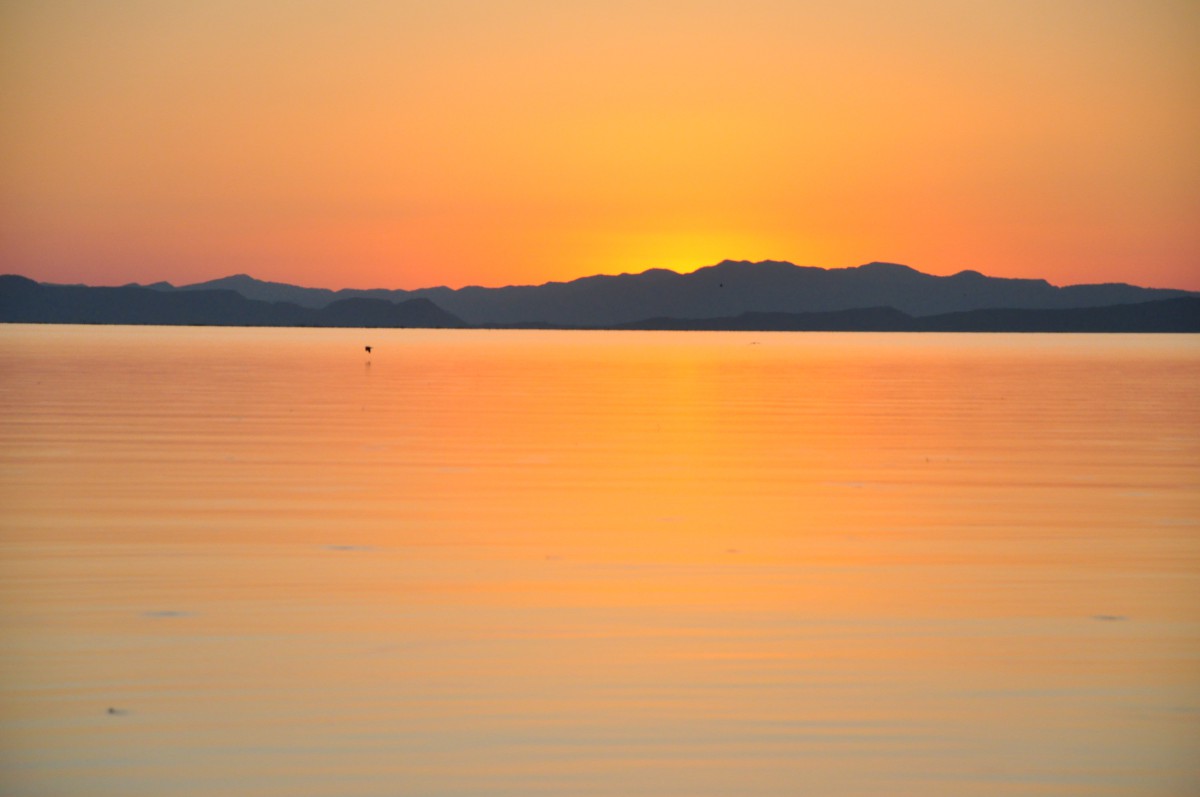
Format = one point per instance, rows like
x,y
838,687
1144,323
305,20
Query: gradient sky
x,y
392,143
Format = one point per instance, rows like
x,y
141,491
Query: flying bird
x,y
368,348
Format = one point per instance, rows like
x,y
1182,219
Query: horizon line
x,y
599,275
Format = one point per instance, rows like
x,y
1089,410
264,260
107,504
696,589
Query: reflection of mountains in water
x,y
731,295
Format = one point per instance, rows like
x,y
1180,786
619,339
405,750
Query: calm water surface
x,y
553,563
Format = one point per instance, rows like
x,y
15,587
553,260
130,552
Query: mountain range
x,y
729,295
727,289
24,301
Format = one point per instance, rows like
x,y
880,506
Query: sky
x,y
403,144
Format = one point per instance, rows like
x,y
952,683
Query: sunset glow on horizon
x,y
401,144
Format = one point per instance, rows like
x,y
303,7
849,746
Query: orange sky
x,y
395,143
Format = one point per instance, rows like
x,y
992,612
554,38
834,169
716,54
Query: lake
x,y
264,562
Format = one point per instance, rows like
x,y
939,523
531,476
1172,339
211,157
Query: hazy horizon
x,y
678,271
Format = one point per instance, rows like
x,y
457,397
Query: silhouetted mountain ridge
x,y
23,300
729,295
727,289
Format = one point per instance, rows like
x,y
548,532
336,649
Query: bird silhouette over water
x,y
368,348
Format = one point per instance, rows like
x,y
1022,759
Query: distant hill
x,y
728,289
731,295
23,300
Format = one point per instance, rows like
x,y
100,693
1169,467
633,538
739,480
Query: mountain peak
x,y
751,265
233,281
883,267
